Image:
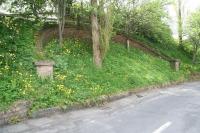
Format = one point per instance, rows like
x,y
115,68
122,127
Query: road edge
x,y
90,103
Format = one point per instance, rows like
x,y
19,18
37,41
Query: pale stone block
x,y
45,69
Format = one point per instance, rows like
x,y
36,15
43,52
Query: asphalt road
x,y
171,110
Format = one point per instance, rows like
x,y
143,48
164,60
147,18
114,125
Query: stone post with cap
x,y
44,69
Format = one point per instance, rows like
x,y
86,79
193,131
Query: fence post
x,y
128,45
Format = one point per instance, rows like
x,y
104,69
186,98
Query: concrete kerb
x,y
16,113
93,103
99,101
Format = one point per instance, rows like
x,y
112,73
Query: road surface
x,y
171,110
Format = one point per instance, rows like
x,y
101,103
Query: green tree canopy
x,y
193,30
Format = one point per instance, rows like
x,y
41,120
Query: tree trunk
x,y
79,17
195,54
180,24
60,34
95,36
61,13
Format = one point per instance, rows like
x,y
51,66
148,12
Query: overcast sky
x,y
190,6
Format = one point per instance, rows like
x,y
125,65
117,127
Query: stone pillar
x,y
45,69
175,64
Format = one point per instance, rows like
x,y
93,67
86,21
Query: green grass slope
x,y
76,80
170,49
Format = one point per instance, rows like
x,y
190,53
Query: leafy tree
x,y
143,18
42,8
62,8
106,19
193,30
146,19
30,8
2,1
180,15
102,25
61,13
180,23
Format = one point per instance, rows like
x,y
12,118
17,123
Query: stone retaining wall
x,y
17,112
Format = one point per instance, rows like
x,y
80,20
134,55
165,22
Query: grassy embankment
x,y
76,80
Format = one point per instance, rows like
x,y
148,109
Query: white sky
x,y
190,6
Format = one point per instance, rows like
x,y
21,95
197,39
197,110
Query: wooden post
x,y
175,64
128,45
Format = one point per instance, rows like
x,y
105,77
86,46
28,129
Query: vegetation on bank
x,y
86,70
76,79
